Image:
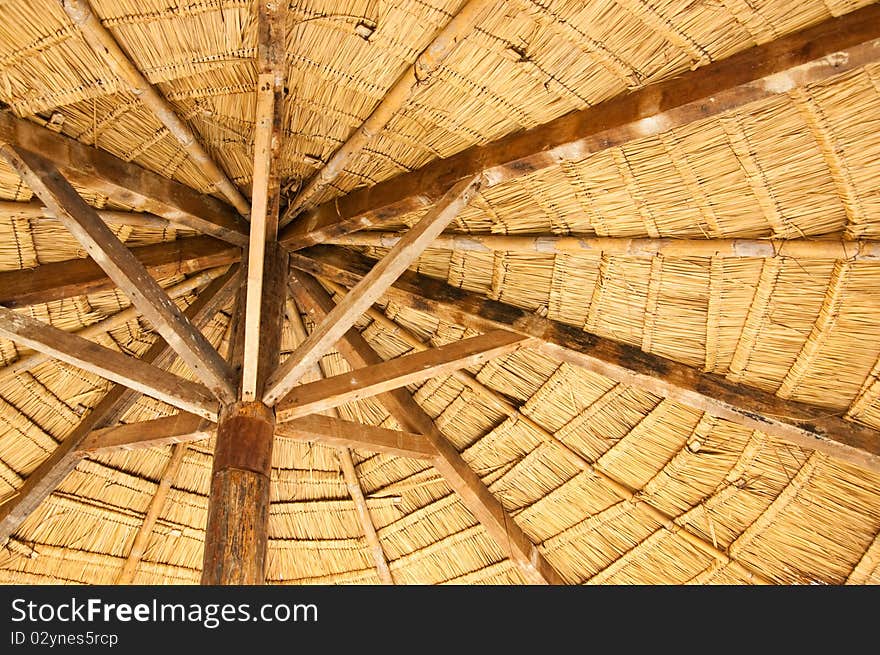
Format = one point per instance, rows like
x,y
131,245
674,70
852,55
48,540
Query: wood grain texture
x,y
369,289
340,433
313,397
125,182
124,269
814,54
799,423
236,535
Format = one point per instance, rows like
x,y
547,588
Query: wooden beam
x,y
124,269
100,328
814,54
410,80
464,481
361,383
317,428
125,182
346,463
75,277
353,485
107,363
48,475
142,538
369,289
804,425
37,211
105,46
500,402
266,182
165,431
833,247
237,530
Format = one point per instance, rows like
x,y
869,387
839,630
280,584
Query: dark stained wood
x,y
313,397
122,369
369,289
802,424
236,535
164,431
124,269
75,277
312,297
48,475
832,47
125,182
337,432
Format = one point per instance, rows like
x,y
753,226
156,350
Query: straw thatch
x,y
676,496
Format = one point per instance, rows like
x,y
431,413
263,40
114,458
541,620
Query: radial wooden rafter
x,y
266,186
123,268
368,289
805,425
832,47
125,182
406,85
105,46
310,295
48,475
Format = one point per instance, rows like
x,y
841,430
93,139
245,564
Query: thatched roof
x,y
799,164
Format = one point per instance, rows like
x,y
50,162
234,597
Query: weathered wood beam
x,y
353,485
814,54
237,532
124,269
107,363
346,462
361,383
369,289
486,509
266,181
836,247
157,504
105,46
75,277
165,431
317,428
96,330
37,211
48,475
805,425
643,501
125,182
409,81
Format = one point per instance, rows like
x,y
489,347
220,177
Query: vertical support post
x,y
237,532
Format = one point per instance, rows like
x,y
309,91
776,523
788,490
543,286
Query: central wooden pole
x,y
237,532
236,536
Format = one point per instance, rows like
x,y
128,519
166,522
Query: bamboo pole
x,y
425,65
106,47
825,247
510,410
